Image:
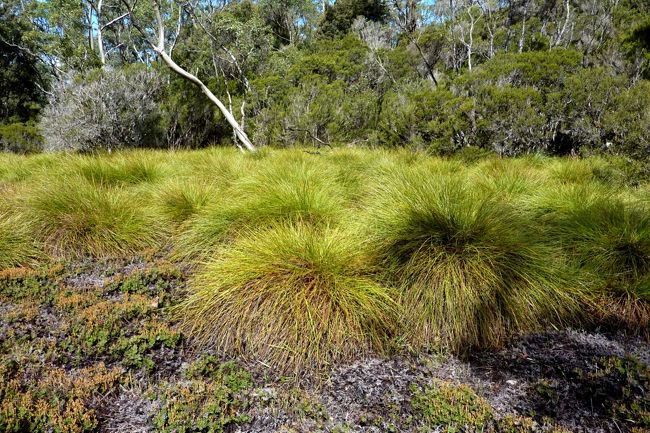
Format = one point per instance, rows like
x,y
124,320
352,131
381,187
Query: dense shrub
x,y
321,96
107,109
422,116
20,138
627,125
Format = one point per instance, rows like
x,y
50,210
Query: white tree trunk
x,y
224,110
100,40
159,48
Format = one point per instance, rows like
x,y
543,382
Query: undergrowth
x,y
301,258
73,217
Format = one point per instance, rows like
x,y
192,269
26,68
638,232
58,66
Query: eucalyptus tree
x,y
24,77
291,21
162,41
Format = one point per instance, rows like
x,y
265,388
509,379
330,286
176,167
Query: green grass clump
x,y
510,179
294,297
471,269
16,244
608,239
130,169
292,191
180,199
282,191
74,217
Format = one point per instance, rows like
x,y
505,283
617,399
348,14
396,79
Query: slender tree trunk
x,y
100,40
522,38
89,17
239,132
566,23
159,48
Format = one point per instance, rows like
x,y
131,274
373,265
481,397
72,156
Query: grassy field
x,y
282,265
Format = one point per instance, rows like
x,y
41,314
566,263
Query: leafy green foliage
x,y
210,406
20,138
59,400
451,408
551,77
338,18
22,75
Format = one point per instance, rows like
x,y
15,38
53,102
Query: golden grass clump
x,y
607,236
291,190
74,217
120,170
292,296
16,244
471,270
177,200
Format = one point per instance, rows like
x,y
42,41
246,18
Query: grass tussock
x,y
16,245
284,191
73,217
608,238
440,253
293,191
295,297
180,199
118,171
470,269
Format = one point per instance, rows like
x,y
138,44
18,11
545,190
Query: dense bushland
x,y
301,259
510,77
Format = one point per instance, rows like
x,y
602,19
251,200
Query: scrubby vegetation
x,y
438,218
444,253
511,77
118,269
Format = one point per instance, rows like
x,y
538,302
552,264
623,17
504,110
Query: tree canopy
x,y
555,76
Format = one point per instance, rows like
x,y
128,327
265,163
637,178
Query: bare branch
x,y
114,20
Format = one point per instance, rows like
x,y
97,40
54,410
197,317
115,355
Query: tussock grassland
x,y
293,295
301,258
74,217
471,270
607,236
